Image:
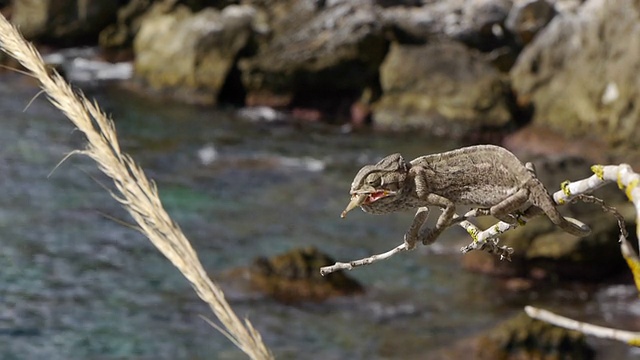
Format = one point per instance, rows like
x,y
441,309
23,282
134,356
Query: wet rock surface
x,y
294,277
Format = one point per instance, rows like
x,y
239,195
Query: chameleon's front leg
x,y
421,176
429,236
412,235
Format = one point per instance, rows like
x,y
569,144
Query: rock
x,y
120,35
522,337
317,56
544,252
295,276
519,337
190,55
580,72
444,88
476,23
528,17
65,22
537,140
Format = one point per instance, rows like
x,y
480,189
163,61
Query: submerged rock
x,y
295,276
517,338
445,88
522,337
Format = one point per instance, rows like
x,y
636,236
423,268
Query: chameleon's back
x,y
480,175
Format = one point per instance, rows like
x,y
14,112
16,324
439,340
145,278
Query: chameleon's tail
x,y
573,226
544,203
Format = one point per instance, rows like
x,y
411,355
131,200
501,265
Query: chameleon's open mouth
x,y
359,199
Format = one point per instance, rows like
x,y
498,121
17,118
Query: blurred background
x,y
254,116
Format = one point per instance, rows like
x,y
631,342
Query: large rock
x,y
120,35
63,21
477,23
190,55
444,88
581,72
316,54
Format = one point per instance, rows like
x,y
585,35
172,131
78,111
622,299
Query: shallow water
x,y
74,284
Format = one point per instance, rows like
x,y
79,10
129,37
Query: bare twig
x,y
365,261
489,244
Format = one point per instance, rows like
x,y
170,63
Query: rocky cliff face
x,y
449,68
581,72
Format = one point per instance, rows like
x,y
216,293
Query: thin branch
x,y
365,261
629,337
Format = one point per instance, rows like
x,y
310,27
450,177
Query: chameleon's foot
x,y
430,237
410,242
511,219
477,212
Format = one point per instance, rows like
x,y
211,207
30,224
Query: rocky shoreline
x,y
453,68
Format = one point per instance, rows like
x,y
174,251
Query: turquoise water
x,y
75,284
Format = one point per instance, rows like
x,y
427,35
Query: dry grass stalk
x,y
135,192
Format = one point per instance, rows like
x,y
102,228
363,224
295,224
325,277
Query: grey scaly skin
x,y
487,176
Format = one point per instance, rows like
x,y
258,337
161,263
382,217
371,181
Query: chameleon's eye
x,y
374,181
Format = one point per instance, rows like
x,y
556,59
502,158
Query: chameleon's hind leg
x,y
505,210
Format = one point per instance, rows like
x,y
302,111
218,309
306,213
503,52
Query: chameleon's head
x,y
377,187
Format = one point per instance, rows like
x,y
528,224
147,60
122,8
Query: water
x,y
75,284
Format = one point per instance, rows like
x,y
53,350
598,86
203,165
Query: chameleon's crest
x,y
375,182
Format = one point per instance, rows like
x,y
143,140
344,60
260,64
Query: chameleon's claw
x,y
356,200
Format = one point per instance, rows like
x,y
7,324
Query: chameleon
x,y
487,176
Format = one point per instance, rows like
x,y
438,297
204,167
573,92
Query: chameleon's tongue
x,y
356,200
362,199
